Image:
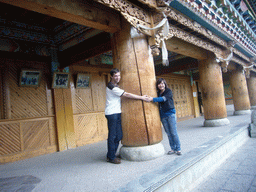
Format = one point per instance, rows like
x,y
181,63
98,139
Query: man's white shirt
x,y
113,99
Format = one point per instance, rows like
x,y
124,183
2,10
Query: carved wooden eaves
x,y
132,13
138,16
175,15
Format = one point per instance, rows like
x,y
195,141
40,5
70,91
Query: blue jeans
x,y
115,134
170,127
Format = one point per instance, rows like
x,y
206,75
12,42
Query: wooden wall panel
x,y
26,101
27,124
9,139
82,100
102,125
35,134
90,128
86,129
21,139
90,123
98,92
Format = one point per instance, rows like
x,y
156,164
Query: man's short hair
x,y
114,71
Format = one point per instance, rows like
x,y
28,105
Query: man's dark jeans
x,y
115,134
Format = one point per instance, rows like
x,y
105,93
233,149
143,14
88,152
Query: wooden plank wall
x,y
64,119
89,106
182,95
27,123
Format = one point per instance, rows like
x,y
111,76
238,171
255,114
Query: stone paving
x,y
85,168
236,174
23,183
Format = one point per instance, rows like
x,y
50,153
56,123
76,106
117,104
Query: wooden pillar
x,y
132,56
215,112
239,92
251,84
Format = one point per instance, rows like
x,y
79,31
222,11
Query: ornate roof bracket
x,y
226,56
247,70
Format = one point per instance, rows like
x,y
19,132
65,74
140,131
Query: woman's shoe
x,y
171,152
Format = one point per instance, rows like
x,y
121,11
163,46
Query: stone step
x,y
188,170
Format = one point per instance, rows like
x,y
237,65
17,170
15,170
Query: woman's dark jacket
x,y
166,104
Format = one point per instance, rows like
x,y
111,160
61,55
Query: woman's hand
x,y
147,98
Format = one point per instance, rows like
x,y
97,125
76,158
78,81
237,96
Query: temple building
x,y
56,57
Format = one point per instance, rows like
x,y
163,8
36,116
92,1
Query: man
x,y
113,114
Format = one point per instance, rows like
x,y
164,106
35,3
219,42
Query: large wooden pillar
x,y
239,92
140,120
251,84
215,112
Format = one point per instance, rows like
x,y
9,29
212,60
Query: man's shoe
x,y
178,153
115,161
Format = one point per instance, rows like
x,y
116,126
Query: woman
x,y
167,114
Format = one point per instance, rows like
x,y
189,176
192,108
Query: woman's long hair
x,y
160,80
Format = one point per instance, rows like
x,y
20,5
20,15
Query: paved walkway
x,y
85,168
236,174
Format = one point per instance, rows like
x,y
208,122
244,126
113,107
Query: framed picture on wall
x,y
83,81
30,78
60,80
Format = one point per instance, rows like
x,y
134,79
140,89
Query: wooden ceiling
x,y
97,42
23,18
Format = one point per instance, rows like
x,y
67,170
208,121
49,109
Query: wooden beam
x,y
24,56
89,48
87,13
175,66
179,46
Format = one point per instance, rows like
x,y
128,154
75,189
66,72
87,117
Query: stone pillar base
x,y
143,153
216,122
242,112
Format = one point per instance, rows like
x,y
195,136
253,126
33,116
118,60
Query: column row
x,y
243,92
